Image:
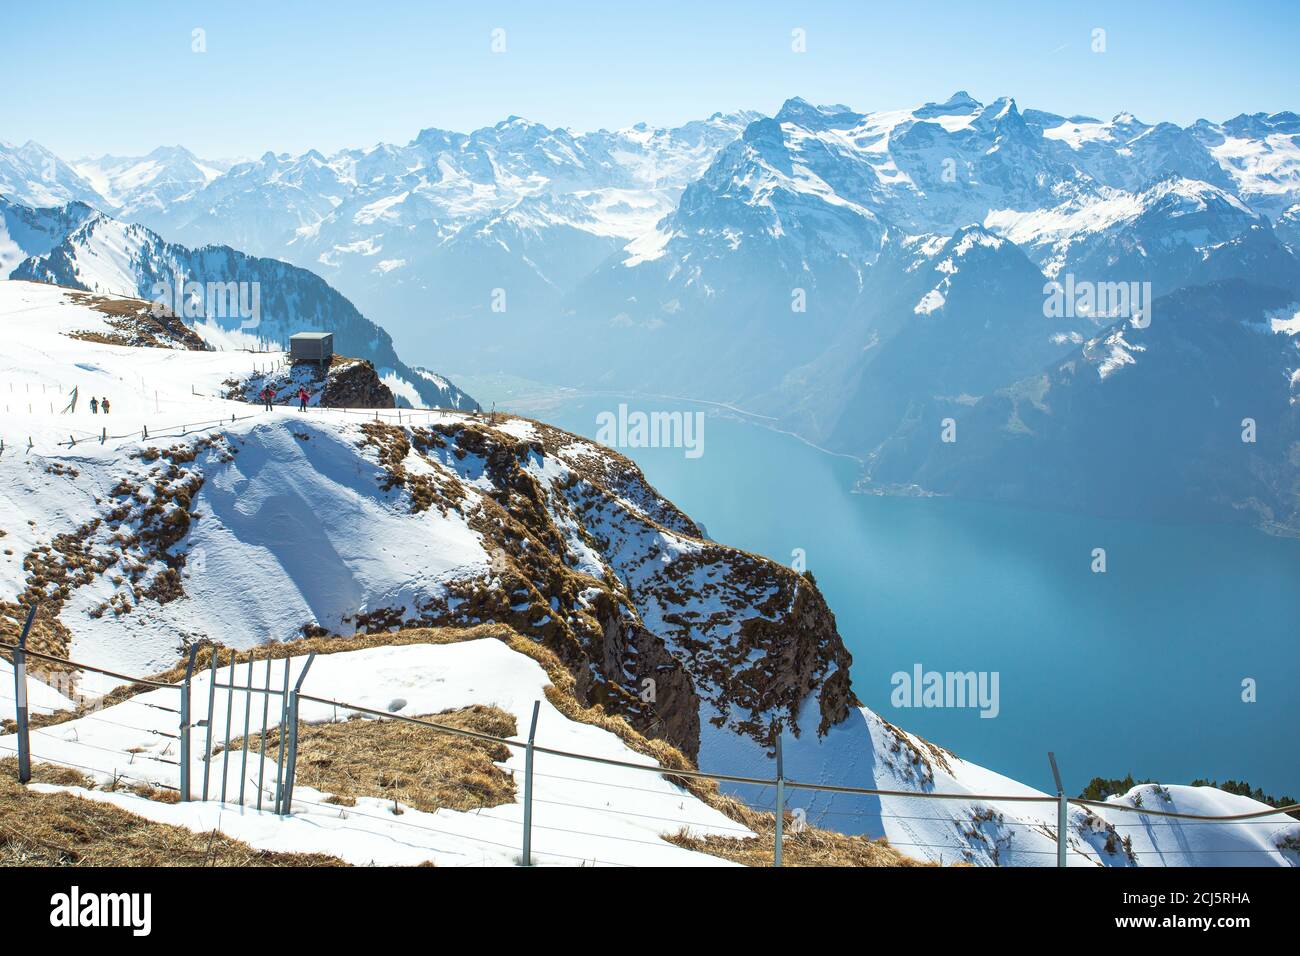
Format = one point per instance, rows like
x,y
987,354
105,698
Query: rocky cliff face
x,y
653,620
355,385
347,383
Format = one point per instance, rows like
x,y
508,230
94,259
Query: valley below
x,y
1135,670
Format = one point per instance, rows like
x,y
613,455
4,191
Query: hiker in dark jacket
x,y
302,397
94,405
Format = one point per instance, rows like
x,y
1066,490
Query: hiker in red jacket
x,y
302,397
267,395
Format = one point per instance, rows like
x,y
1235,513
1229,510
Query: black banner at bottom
x,y
140,908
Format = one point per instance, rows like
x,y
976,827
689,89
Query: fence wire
x,y
275,714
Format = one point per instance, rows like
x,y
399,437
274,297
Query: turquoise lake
x,y
1138,670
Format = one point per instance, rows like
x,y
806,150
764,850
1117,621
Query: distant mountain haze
x,y
860,277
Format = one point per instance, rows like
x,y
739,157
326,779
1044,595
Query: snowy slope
x,y
871,752
42,698
149,388
1174,220
583,814
1261,154
26,231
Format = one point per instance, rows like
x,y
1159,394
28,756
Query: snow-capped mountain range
x,y
138,186
546,213
831,268
935,168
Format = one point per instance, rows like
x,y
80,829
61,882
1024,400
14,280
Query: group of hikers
x,y
267,395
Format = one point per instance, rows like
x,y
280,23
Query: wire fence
x,y
144,434
616,812
80,436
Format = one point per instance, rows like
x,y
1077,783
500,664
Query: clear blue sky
x,y
120,77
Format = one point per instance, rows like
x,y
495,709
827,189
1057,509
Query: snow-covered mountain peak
x,y
803,113
1182,195
1003,107
960,103
972,237
139,186
34,176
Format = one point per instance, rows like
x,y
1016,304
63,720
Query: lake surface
x,y
1137,670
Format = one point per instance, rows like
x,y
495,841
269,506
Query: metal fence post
x,y
20,701
248,706
212,701
230,706
780,800
283,743
266,714
185,724
1062,811
291,769
527,859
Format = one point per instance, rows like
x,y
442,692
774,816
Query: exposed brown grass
x,y
137,323
810,847
405,763
60,829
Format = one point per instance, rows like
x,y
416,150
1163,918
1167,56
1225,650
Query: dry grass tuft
x,y
137,323
811,847
405,763
60,829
